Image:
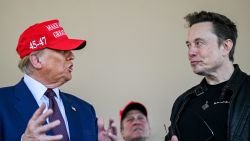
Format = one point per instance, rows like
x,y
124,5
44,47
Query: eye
x,y
141,117
199,43
188,45
63,52
130,119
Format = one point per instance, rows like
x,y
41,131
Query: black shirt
x,y
205,116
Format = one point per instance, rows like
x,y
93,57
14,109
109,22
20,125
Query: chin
x,y
199,72
141,137
139,134
67,78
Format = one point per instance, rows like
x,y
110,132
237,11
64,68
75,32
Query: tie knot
x,y
50,93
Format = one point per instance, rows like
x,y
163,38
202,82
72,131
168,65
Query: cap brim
x,y
69,44
134,106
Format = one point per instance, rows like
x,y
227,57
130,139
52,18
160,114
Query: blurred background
x,y
135,49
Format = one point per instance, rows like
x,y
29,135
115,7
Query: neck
x,y
221,74
140,139
47,84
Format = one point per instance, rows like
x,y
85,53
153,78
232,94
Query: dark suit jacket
x,y
17,106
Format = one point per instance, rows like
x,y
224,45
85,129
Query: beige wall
x,y
136,49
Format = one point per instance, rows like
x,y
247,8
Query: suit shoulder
x,y
4,91
74,98
187,92
10,89
178,102
7,88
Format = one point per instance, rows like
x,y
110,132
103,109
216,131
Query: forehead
x,y
134,112
49,50
201,30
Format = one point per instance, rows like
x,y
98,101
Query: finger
x,y
48,126
32,124
113,137
111,121
100,123
38,112
42,118
51,138
39,122
112,127
174,138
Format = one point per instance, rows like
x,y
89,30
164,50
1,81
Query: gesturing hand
x,y
36,128
109,134
174,138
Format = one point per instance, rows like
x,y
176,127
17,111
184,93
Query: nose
x,y
69,56
192,51
137,121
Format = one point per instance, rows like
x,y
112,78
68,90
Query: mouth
x,y
194,62
70,68
137,129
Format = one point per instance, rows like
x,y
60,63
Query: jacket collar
x,y
231,87
26,105
235,80
25,102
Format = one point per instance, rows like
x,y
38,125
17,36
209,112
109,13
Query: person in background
x,y
35,108
134,123
218,108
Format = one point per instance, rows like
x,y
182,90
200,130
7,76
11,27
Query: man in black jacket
x,y
217,109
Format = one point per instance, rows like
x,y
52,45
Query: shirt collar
x,y
37,88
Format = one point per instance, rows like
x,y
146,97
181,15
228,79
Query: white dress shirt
x,y
37,89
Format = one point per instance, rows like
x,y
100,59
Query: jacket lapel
x,y
72,114
25,102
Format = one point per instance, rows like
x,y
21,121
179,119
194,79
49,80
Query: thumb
x,y
100,123
174,138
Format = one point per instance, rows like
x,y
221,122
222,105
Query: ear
x,y
124,138
34,60
227,46
122,132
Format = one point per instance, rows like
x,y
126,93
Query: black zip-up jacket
x,y
238,121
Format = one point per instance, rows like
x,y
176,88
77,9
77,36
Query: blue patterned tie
x,y
60,129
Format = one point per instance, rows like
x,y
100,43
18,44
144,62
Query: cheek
x,y
54,67
207,54
56,63
215,55
127,127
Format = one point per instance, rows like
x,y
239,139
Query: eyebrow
x,y
199,39
196,39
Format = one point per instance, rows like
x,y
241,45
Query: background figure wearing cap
x,y
134,122
46,60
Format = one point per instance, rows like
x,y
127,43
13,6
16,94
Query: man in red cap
x,y
35,109
134,122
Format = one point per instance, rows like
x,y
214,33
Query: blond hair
x,y
25,65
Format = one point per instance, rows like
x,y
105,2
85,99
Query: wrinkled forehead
x,y
134,112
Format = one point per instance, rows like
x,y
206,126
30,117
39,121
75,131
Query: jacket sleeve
x,y
96,128
176,107
1,134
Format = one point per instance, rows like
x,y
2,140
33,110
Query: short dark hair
x,y
223,27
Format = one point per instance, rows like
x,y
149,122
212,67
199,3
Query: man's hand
x,y
109,134
174,138
36,128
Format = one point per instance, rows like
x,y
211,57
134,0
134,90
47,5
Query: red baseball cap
x,y
48,34
133,106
